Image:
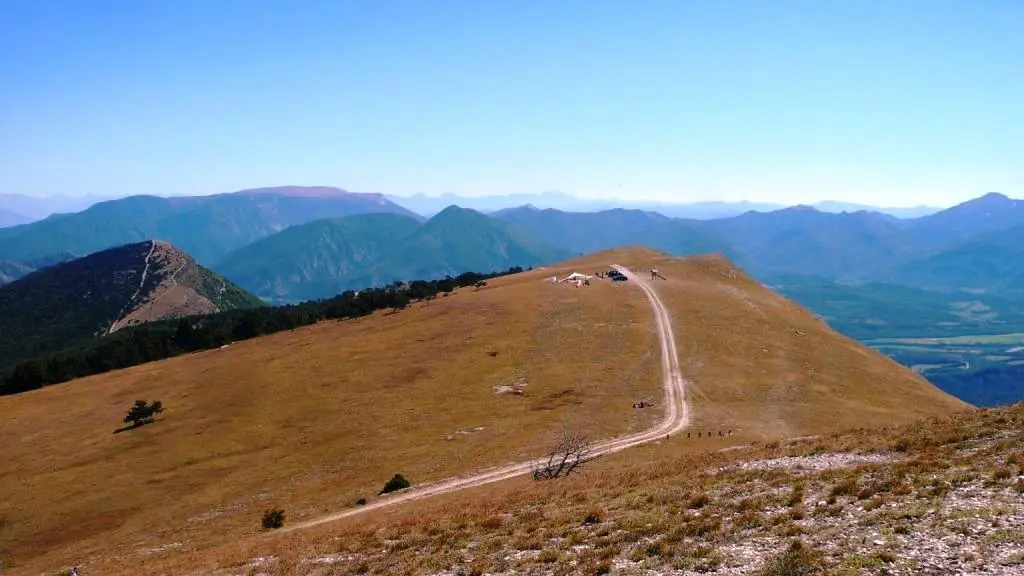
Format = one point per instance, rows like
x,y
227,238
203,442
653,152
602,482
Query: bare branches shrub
x,y
574,450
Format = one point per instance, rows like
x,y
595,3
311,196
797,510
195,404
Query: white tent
x,y
575,277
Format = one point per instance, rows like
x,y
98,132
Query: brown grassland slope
x,y
944,495
765,365
314,419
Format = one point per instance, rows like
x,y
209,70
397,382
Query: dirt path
x,y
677,417
142,282
174,282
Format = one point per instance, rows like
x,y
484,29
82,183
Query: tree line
x,y
166,339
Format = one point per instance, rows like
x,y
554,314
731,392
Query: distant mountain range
x,y
21,209
319,258
9,218
430,205
105,292
32,208
322,258
292,243
958,271
11,270
976,245
207,227
325,257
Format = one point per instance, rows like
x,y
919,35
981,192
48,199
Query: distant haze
x,y
18,208
428,205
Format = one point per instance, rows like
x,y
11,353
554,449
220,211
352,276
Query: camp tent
x,y
575,277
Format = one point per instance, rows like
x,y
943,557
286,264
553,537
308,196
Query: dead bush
x,y
573,451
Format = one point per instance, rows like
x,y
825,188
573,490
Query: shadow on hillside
x,y
133,426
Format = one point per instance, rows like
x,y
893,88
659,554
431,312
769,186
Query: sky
x,y
878,102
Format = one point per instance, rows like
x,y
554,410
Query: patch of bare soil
x,y
518,387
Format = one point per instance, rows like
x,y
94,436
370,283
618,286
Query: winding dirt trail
x,y
677,417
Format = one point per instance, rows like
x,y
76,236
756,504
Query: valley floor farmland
x,y
968,343
983,369
314,419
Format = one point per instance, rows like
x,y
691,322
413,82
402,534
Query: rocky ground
x,y
943,497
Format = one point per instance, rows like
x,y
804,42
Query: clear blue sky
x,y
886,102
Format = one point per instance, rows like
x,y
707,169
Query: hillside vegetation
x,y
11,270
318,259
104,292
879,310
976,244
485,376
157,340
969,343
590,232
326,257
458,239
983,264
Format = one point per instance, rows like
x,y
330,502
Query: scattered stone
x,y
518,387
813,463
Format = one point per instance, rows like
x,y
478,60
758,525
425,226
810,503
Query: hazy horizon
x,y
609,199
796,102
596,199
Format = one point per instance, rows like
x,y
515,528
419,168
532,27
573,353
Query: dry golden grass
x,y
761,363
694,512
313,419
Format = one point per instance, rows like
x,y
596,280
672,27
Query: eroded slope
x,y
183,288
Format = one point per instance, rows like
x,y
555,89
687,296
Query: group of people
x,y
708,434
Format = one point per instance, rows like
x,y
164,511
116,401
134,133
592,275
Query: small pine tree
x,y
273,518
142,412
397,482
